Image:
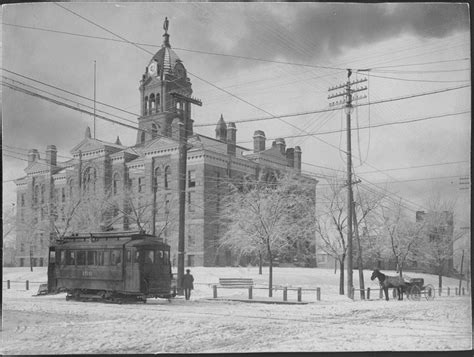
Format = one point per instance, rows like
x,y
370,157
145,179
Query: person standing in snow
x,y
188,285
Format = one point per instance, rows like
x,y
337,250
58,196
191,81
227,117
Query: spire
x,y
166,36
118,141
88,133
221,129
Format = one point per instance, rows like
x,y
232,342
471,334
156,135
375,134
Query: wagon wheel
x,y
429,292
415,293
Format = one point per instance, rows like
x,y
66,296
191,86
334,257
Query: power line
x,y
66,91
420,80
425,63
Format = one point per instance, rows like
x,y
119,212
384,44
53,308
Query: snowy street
x,y
51,325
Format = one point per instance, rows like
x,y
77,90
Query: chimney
x,y
297,162
258,141
280,143
33,155
290,157
420,216
231,138
51,155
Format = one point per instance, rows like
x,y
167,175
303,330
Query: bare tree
x,y
268,217
440,233
402,233
138,210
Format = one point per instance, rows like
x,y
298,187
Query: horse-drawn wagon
x,y
416,287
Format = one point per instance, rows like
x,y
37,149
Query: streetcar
x,y
111,266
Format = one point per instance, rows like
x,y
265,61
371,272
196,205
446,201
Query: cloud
x,y
305,32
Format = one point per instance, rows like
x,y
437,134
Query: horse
x,y
387,282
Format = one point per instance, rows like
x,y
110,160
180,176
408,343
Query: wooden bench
x,y
235,282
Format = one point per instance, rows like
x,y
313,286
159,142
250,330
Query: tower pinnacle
x,y
166,36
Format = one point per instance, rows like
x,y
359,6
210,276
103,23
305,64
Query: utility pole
x,y
460,272
95,74
183,155
347,100
359,255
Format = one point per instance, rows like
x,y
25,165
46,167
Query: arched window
x,y
115,183
142,137
152,104
88,180
167,176
154,131
157,177
157,102
145,106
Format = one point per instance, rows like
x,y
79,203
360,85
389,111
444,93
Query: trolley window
x,y
81,257
136,258
149,257
100,258
129,256
70,257
62,257
52,257
115,257
91,257
166,258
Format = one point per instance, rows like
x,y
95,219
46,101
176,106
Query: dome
x,y
166,58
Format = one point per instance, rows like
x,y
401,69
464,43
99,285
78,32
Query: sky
x,y
258,60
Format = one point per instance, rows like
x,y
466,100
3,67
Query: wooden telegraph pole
x,y
347,100
183,155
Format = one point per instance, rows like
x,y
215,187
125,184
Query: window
x,y
71,188
154,131
190,260
141,184
167,204
115,183
22,247
115,257
81,257
22,197
190,239
43,189
36,194
63,194
142,137
190,202
100,258
129,256
70,258
88,180
157,102
149,257
166,258
145,106
157,176
167,176
91,257
191,178
137,257
151,104
62,258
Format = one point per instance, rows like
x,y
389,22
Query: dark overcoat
x,y
188,280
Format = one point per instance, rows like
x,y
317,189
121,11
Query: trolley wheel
x,y
415,293
429,291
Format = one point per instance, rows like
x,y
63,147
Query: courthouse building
x,y
100,167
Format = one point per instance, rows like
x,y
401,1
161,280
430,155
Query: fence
x,y
285,289
448,291
22,283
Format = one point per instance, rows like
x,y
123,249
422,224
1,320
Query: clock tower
x,y
160,111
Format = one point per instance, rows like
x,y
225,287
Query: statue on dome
x,y
166,25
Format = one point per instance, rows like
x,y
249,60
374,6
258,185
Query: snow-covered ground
x,y
51,325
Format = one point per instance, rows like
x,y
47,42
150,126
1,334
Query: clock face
x,y
152,68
